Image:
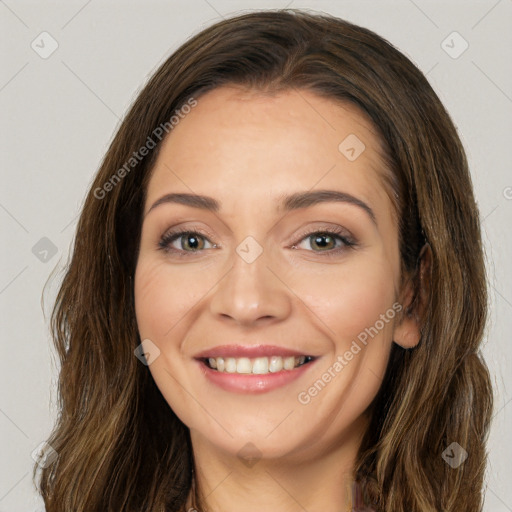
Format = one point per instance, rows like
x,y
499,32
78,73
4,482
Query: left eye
x,y
325,241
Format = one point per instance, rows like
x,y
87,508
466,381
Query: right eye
x,y
190,241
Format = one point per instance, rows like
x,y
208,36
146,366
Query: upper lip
x,y
248,351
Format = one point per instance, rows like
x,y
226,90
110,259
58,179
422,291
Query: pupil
x,y
193,245
321,237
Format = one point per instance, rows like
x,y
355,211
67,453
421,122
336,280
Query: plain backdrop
x,y
69,72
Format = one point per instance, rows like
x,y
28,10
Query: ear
x,y
415,299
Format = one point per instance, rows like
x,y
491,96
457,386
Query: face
x,y
263,282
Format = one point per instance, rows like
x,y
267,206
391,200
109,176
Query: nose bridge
x,y
250,290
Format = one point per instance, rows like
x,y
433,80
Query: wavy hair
x,y
120,446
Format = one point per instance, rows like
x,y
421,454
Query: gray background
x,y
60,112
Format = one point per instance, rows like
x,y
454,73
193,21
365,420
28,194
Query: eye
x,y
190,241
328,241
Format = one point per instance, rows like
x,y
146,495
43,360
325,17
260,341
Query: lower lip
x,y
250,383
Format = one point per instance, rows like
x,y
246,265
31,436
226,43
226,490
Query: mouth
x,y
253,369
256,366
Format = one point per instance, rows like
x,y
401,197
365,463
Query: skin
x,y
246,149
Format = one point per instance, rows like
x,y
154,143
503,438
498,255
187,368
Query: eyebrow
x,y
291,202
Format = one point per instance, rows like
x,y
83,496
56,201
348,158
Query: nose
x,y
251,293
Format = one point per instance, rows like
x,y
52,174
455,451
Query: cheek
x,y
347,298
164,301
355,302
163,297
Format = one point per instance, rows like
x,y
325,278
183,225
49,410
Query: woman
x,y
277,293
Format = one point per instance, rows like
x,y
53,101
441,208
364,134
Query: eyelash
x,y
171,236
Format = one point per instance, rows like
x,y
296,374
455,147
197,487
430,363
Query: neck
x,y
322,480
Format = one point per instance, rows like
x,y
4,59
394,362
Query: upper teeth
x,y
259,365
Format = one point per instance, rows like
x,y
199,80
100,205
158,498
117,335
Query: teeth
x,y
289,363
230,365
257,366
276,364
243,365
260,365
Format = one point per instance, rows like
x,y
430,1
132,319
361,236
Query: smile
x,y
256,366
254,375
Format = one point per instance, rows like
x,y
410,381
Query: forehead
x,y
243,145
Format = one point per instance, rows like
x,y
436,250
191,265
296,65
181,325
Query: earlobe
x,y
407,332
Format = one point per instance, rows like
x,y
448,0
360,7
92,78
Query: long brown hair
x,y
120,446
